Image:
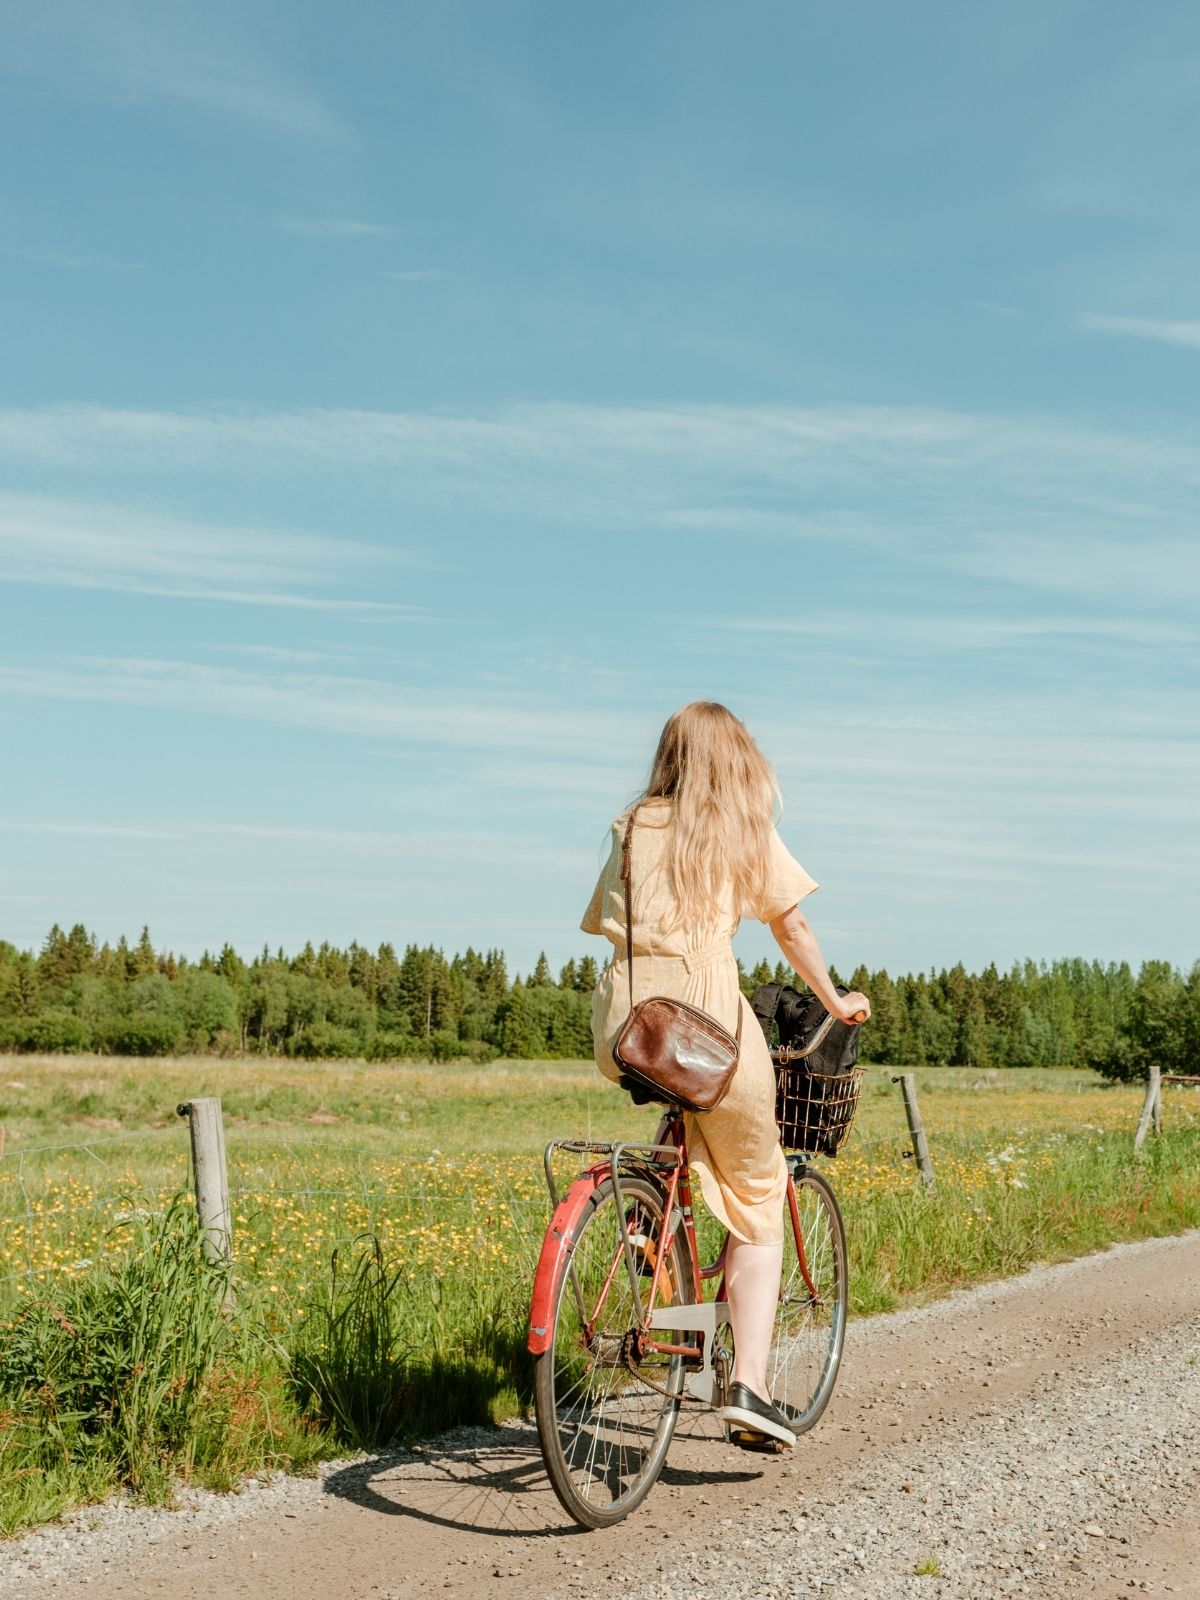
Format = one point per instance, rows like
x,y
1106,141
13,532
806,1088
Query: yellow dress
x,y
734,1149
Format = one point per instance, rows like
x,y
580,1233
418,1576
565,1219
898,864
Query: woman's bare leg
x,y
752,1288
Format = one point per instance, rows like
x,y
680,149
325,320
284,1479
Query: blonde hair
x,y
723,793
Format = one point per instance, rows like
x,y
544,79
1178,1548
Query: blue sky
x,y
402,410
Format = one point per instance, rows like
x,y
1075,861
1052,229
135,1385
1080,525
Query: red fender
x,y
564,1225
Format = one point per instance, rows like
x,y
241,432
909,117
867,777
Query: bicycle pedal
x,y
759,1443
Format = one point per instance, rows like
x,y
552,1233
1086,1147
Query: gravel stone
x,y
1008,1506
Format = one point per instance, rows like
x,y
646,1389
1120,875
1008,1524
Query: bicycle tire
x,y
604,1435
810,1330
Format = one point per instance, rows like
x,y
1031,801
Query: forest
x,y
77,995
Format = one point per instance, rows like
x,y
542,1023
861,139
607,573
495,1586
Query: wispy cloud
x,y
1151,559
102,546
273,652
72,263
642,446
917,746
343,705
1035,502
1157,329
187,53
412,846
333,227
997,308
744,521
931,633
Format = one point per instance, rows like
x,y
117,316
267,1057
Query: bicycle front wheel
x,y
605,1405
810,1324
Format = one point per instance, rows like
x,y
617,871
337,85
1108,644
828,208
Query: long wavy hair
x,y
723,794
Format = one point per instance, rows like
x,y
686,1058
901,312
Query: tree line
x,y
75,994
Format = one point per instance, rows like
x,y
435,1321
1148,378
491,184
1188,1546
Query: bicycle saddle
x,y
640,1094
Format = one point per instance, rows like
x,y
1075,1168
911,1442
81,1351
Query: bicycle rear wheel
x,y
605,1408
810,1324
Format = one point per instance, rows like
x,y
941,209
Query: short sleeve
x,y
591,917
787,882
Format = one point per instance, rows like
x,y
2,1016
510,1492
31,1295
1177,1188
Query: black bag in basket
x,y
815,1098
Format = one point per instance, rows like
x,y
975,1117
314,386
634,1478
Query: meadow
x,y
386,1223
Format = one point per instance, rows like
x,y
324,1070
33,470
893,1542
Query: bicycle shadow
x,y
492,1481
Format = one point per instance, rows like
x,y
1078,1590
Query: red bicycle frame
x,y
665,1161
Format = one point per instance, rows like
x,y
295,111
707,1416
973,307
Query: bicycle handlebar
x,y
782,1055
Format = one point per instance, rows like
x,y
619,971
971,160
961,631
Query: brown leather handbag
x,y
667,1049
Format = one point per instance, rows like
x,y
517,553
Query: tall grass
x,y
906,1242
139,1375
387,1354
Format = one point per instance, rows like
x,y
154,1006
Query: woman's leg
x,y
752,1288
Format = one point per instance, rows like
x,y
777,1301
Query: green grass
x,y
387,1219
139,1374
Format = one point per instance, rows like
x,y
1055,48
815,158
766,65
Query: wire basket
x,y
815,1110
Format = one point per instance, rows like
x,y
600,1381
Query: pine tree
x,y
82,948
53,966
886,1039
512,1023
306,962
363,972
495,977
231,966
143,961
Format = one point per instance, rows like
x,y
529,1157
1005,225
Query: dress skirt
x,y
734,1150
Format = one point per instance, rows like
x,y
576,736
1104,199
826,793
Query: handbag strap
x,y
626,884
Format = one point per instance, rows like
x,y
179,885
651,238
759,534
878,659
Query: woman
x,y
704,853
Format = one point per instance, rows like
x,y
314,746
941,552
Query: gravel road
x,y
1038,1437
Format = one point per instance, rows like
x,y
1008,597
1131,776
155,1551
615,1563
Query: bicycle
x,y
620,1328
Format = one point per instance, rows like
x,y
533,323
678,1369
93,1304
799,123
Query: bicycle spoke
x,y
603,1418
810,1321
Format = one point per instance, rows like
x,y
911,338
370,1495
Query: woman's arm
x,y
799,944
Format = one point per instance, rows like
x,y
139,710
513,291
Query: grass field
x,y
422,1325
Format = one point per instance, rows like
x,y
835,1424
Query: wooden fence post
x,y
1151,1107
209,1175
916,1128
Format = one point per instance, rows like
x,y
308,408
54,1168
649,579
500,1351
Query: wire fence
x,y
42,1214
62,1202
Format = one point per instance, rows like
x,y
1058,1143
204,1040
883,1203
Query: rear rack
x,y
666,1155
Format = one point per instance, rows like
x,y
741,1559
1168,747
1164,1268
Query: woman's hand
x,y
853,1007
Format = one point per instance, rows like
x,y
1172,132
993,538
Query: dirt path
x,y
1037,1437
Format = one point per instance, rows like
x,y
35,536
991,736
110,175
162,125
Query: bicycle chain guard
x,y
704,1318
